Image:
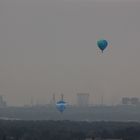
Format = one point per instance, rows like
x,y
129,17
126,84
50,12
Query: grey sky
x,y
49,46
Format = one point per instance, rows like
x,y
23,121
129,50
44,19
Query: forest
x,y
67,130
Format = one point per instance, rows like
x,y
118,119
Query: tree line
x,y
67,130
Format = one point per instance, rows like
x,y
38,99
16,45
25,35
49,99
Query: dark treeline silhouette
x,y
67,130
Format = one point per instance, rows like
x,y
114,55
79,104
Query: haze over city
x,y
49,46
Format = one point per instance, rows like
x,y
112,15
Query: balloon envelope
x,y
102,44
61,105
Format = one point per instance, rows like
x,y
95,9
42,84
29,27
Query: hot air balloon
x,y
61,105
102,44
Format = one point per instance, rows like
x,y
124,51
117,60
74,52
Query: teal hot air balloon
x,y
102,44
61,105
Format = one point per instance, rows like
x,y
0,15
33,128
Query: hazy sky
x,y
49,46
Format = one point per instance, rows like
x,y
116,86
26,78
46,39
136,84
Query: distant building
x,y
125,100
130,101
134,101
53,101
83,99
2,102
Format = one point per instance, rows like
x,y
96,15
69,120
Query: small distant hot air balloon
x,y
61,105
102,44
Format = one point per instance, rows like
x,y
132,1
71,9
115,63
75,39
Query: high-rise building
x,y
130,101
83,99
2,102
134,101
52,101
125,100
